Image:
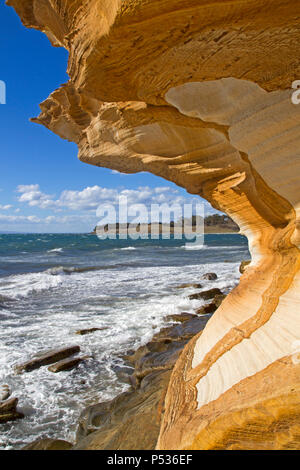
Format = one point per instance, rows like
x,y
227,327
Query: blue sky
x,y
43,186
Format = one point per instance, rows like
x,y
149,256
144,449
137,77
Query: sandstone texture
x,y
199,93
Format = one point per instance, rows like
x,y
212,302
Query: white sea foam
x,y
129,248
132,303
24,285
56,250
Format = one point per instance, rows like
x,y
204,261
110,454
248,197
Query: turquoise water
x,y
54,284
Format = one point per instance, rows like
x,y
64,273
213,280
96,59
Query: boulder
x,y
8,411
180,332
209,277
205,309
47,358
206,295
180,317
211,307
9,405
66,364
49,444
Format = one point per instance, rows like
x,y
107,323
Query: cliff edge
x,y
199,93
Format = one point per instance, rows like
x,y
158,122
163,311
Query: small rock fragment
x,y
185,286
89,331
180,317
209,276
5,392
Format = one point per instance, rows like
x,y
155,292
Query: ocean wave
x,y
129,248
58,270
24,285
194,247
56,250
61,270
4,299
228,248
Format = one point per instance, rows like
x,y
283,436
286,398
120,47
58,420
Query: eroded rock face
x,y
200,94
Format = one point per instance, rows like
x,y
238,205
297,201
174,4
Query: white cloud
x,y
19,218
32,195
91,197
6,207
76,209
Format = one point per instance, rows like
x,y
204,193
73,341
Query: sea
x,y
52,285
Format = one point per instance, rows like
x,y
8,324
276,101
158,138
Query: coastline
x,y
131,420
105,313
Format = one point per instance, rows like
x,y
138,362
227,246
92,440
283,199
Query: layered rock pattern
x,y
199,92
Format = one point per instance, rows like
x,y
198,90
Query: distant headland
x,y
212,224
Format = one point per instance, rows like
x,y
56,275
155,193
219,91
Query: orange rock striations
x,y
199,92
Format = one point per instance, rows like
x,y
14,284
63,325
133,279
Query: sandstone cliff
x,y
199,92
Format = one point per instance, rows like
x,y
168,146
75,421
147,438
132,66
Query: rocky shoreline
x,y
131,421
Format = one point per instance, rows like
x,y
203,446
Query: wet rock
x,y
132,420
205,309
180,317
219,299
89,331
134,356
48,444
5,392
47,358
5,417
209,277
183,331
129,422
185,286
206,295
9,405
213,306
244,265
124,373
8,411
155,361
67,364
